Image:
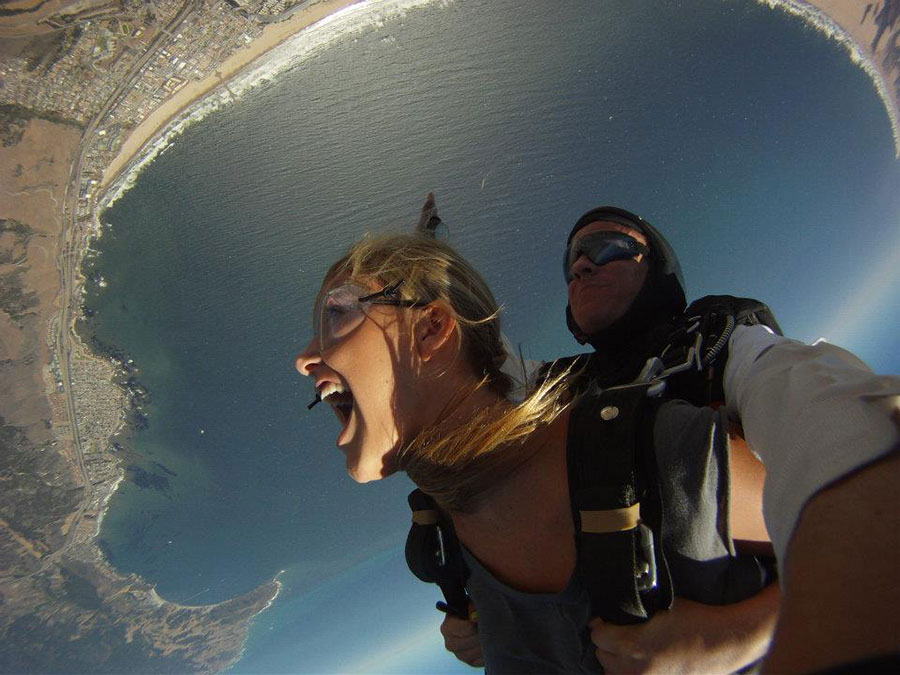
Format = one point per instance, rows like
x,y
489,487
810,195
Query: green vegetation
x,y
14,300
41,496
22,234
34,644
25,10
14,119
80,591
20,229
43,53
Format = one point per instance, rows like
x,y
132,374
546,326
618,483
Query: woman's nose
x,y
308,359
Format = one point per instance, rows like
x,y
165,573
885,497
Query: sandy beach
x,y
272,36
857,23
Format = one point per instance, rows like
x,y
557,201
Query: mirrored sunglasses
x,y
601,248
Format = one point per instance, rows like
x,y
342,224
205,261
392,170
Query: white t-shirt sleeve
x,y
812,414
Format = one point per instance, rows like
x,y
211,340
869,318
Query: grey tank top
x,y
547,632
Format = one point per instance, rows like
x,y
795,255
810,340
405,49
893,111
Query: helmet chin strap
x,y
658,301
573,327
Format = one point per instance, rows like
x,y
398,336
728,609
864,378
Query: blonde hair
x,y
456,466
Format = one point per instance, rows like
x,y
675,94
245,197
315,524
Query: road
x,y
71,241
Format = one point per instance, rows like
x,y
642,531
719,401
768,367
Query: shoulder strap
x,y
693,363
434,555
616,504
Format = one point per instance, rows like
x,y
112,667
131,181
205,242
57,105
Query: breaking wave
x,y
305,44
817,19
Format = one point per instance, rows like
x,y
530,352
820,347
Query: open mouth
x,y
340,400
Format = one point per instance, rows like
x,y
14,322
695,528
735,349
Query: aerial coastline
x,y
838,19
83,405
68,402
869,36
194,92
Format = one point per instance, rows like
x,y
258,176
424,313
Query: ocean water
x,y
749,137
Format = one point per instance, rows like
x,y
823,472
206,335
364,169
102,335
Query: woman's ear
x,y
434,328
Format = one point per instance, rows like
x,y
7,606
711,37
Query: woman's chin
x,y
366,472
363,475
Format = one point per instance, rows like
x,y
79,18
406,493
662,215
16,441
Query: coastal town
x,y
76,80
85,85
108,72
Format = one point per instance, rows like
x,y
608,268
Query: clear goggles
x,y
601,248
342,309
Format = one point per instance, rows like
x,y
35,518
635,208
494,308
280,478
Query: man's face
x,y
599,296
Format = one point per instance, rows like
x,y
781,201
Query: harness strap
x,y
616,507
611,520
433,553
713,317
425,517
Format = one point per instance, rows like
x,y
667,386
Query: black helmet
x,y
662,295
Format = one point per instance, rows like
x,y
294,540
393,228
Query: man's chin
x,y
593,315
589,328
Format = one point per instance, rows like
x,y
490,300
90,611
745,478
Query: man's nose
x,y
307,360
583,267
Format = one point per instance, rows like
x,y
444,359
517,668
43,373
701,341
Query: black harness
x,y
434,555
616,503
615,498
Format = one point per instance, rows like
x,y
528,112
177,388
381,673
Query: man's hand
x,y
461,638
690,637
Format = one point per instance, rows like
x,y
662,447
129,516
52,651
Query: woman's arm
x,y
691,637
812,414
745,516
696,638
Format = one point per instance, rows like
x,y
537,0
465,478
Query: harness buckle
x,y
441,553
692,360
646,578
651,369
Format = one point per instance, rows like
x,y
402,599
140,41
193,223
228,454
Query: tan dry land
x,y
857,18
63,606
875,27
30,15
33,177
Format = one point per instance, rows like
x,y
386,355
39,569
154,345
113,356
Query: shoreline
x,y
836,20
831,17
195,92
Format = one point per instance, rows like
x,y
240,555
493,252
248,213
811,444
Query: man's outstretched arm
x,y
828,431
842,593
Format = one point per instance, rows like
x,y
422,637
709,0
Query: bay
x,y
750,138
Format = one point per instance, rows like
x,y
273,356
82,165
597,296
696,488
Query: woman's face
x,y
366,375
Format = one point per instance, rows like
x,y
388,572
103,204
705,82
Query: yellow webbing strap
x,y
611,520
425,517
